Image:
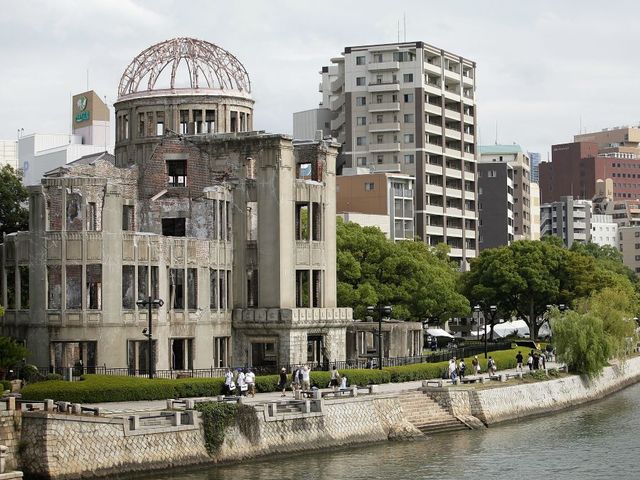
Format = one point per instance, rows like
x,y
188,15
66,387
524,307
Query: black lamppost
x,y
493,309
148,332
382,310
476,310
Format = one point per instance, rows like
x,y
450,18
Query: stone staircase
x,y
427,415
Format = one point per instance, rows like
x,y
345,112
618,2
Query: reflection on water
x,y
595,441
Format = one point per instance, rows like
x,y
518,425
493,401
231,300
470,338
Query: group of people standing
x,y
535,361
241,382
458,369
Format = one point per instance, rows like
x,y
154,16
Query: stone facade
x,y
10,434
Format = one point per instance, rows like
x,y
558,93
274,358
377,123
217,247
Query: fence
x,y
470,348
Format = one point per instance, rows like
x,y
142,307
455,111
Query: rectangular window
x,y
192,288
173,227
221,351
361,120
380,159
92,217
302,289
213,289
24,287
74,287
361,101
94,287
177,173
54,287
138,355
128,286
155,283
361,141
74,212
407,78
408,97
379,118
409,158
143,283
11,287
252,287
317,221
377,58
317,288
302,221
379,138
408,138
361,161
368,187
409,118
379,98
127,217
360,60
181,351
360,81
176,284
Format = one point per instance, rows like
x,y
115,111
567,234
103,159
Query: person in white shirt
x,y
306,380
250,378
228,381
242,384
343,382
452,369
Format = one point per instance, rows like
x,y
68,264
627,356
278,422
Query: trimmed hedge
x,y
101,388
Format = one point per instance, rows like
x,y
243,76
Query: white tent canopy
x,y
518,328
438,332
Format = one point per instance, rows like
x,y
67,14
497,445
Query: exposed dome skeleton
x,y
209,66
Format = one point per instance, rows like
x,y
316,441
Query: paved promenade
x,y
115,408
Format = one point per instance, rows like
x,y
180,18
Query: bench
x,y
472,379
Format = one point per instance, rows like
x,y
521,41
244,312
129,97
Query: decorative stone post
x,y
3,458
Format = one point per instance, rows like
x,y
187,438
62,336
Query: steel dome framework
x,y
209,66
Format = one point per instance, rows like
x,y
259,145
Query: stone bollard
x,y
483,379
519,375
169,404
373,388
97,412
503,377
3,458
76,409
354,390
189,404
191,417
306,406
297,394
456,381
48,405
134,422
11,403
272,408
241,399
317,394
176,421
63,407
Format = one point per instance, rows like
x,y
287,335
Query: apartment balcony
x,y
434,230
469,156
469,119
453,173
403,192
384,127
468,99
337,122
452,114
384,147
469,195
469,81
337,84
384,87
377,67
435,189
454,192
433,89
454,232
454,212
470,233
452,74
432,148
450,152
455,134
469,176
580,236
384,107
336,103
579,214
456,252
452,95
435,109
388,167
579,225
468,138
434,209
432,68
431,128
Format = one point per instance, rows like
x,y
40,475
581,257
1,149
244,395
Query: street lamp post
x,y
493,309
382,310
148,332
476,309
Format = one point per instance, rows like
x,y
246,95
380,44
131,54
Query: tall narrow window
x,y
92,216
155,283
252,287
54,287
24,287
94,287
177,288
302,288
213,289
302,221
221,352
317,288
74,212
128,286
127,217
11,287
317,221
227,217
192,288
143,282
214,219
74,287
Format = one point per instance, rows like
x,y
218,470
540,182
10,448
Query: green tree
x,y
10,354
14,216
410,276
600,328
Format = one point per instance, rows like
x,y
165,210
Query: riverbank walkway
x,y
115,408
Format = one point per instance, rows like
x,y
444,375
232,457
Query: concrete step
x,y
427,415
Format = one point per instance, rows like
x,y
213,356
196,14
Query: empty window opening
x,y
177,173
302,221
140,124
227,218
125,123
176,284
94,286
317,288
54,287
221,351
233,117
138,356
210,121
74,287
252,221
252,288
198,121
159,124
222,289
315,348
127,217
304,171
92,217
221,220
143,282
128,286
214,219
74,211
317,221
263,354
155,283
24,287
11,287
173,227
181,353
80,355
302,288
184,122
213,289
192,288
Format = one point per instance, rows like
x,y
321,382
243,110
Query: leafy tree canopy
x,y
10,354
14,215
410,276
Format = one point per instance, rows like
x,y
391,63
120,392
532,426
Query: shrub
x,y
6,385
267,383
216,417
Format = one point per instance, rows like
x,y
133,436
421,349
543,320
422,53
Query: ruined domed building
x,y
233,229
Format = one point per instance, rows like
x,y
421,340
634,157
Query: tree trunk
x,y
533,330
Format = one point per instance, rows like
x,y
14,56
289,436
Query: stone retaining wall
x,y
10,427
493,405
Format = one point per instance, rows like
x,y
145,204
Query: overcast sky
x,y
543,67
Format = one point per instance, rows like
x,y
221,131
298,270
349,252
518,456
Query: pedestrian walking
x,y
335,377
519,361
282,384
543,361
462,368
343,382
452,370
296,379
242,384
306,378
492,368
530,361
250,378
228,382
475,365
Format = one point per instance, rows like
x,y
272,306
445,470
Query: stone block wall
x,y
10,428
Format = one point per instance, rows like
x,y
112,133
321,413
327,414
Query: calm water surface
x,y
600,440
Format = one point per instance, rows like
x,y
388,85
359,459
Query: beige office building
x,y
410,107
233,229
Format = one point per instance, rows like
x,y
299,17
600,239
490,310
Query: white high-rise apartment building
x,y
410,107
9,153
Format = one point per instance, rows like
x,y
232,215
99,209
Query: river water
x,y
598,440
